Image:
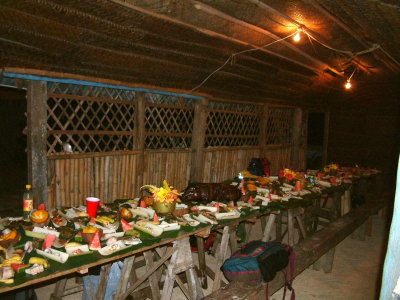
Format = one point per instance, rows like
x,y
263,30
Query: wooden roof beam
x,y
132,54
214,34
317,5
275,11
102,35
220,14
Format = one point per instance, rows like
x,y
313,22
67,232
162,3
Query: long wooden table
x,y
180,240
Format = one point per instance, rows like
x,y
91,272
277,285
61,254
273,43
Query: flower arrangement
x,y
167,193
288,174
331,167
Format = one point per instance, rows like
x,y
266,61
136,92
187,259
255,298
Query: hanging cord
x,y
232,59
347,52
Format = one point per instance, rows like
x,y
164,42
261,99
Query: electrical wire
x,y
351,54
232,59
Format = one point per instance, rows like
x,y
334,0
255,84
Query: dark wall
x,y
365,129
13,158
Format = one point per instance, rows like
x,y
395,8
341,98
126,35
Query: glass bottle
x,y
27,201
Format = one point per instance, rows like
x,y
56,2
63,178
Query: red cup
x,y
92,205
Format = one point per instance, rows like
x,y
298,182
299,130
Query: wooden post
x,y
303,141
326,136
125,274
140,106
268,228
221,256
202,262
297,137
37,139
263,130
102,286
198,140
155,291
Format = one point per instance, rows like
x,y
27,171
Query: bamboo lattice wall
x,y
110,161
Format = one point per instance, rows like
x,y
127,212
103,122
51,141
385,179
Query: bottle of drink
x,y
27,201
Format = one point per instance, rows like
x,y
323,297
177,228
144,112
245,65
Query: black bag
x,y
256,167
274,259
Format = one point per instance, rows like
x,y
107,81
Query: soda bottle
x,y
27,201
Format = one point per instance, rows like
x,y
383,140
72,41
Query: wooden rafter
x,y
275,11
53,39
320,7
213,11
216,34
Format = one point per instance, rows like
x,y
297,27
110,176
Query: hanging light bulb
x,y
297,36
347,84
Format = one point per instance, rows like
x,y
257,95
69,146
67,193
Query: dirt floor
x,y
356,272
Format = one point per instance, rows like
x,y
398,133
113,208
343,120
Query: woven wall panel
x,y
238,107
232,124
89,118
168,122
90,91
280,125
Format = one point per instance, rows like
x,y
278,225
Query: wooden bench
x,y
308,251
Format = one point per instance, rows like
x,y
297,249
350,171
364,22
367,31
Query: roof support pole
x,y
198,140
297,139
37,139
140,136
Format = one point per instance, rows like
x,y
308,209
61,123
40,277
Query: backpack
x,y
256,167
260,261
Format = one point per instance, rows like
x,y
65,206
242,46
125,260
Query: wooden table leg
x,y
221,256
278,227
125,275
181,260
327,260
233,238
290,227
202,261
59,289
268,228
153,280
102,286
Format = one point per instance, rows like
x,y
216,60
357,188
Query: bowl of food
x,y
89,232
40,217
9,237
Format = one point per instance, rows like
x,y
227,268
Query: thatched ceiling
x,y
178,43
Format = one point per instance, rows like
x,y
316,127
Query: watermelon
x,y
156,218
19,268
78,237
95,243
125,225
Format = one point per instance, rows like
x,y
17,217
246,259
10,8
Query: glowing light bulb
x,y
347,84
297,36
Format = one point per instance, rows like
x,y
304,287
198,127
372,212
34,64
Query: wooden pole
x,y
303,141
198,140
262,140
140,106
297,131
37,139
326,136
